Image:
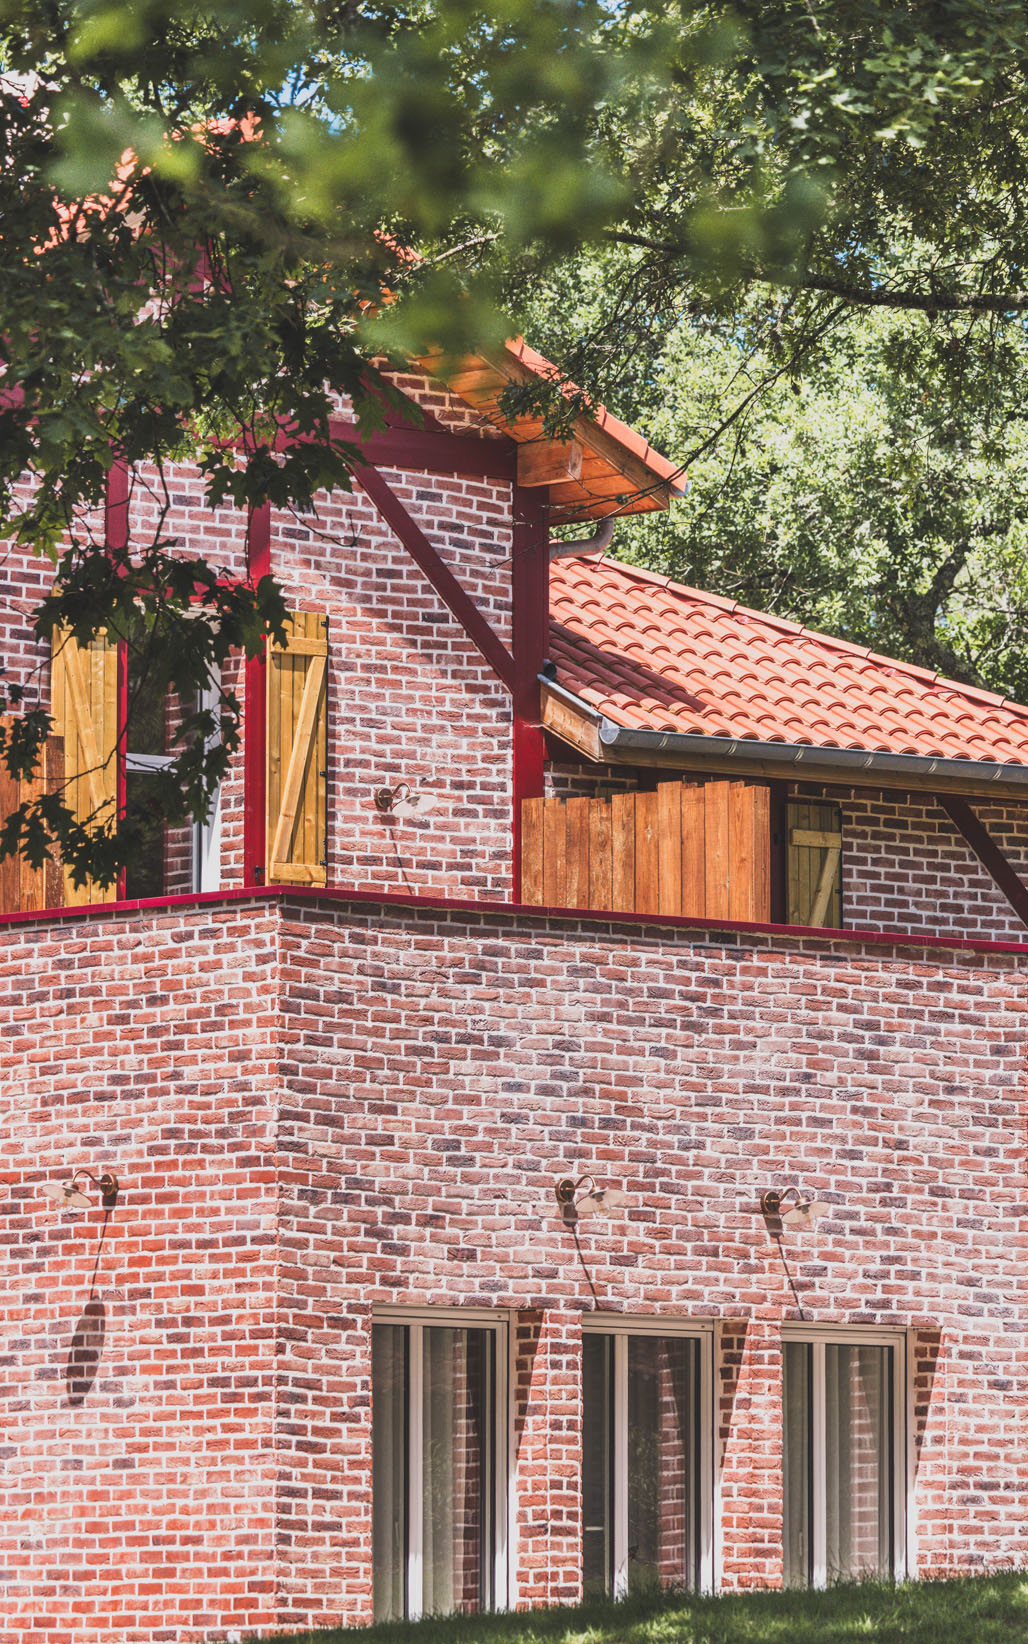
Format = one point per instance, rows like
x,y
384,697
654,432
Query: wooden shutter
x,y
24,889
84,706
815,865
297,788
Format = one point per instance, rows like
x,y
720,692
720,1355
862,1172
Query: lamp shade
x,y
601,1201
67,1195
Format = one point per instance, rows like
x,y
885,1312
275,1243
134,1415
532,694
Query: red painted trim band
x,y
354,896
434,451
255,730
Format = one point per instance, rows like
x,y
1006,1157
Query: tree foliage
x,y
879,492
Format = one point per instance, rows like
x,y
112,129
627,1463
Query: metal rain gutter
x,y
797,757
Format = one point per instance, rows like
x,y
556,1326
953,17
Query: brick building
x,y
706,908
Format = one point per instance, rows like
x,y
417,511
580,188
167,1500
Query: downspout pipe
x,y
598,543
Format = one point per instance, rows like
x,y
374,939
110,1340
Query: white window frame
x,y
621,1326
819,1337
207,835
416,1321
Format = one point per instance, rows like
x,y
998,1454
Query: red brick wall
x,y
402,1086
905,866
139,1504
410,698
476,1061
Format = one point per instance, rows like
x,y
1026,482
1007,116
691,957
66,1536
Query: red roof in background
x,y
651,654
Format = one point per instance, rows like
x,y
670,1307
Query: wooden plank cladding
x,y
24,889
699,848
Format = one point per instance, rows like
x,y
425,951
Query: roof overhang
x,y
615,471
591,733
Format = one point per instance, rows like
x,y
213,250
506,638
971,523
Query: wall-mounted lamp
x,y
800,1213
598,1201
70,1196
402,800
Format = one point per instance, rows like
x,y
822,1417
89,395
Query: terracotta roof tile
x,y
652,654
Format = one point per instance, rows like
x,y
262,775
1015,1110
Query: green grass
x,y
974,1610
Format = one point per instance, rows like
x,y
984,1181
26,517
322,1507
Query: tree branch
x,y
861,296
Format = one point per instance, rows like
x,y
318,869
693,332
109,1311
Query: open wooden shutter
x,y
84,706
297,787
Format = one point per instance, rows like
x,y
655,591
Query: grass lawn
x,y
976,1610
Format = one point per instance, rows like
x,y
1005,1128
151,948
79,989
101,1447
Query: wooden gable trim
x,y
433,450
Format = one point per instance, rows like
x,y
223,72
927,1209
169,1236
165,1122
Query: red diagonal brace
x,y
453,596
987,851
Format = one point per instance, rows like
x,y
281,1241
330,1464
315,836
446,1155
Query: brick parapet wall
x,y
138,1477
480,1057
404,1084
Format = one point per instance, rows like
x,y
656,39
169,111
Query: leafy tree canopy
x,y
880,493
202,208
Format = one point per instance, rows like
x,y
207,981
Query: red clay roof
x,y
651,654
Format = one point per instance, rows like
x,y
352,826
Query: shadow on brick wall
x,y
86,1348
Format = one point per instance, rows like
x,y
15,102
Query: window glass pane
x,y
597,1437
389,1469
663,1382
162,863
459,1420
796,1461
858,1465
147,727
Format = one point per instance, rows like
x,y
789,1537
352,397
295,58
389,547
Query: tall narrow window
x,y
437,1461
162,865
642,1462
842,1484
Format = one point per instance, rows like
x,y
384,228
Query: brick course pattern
x,y
316,1107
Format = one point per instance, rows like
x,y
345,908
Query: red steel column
x,y
258,554
530,595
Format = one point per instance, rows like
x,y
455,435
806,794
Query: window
x,y
814,859
843,1459
646,1470
170,860
438,1464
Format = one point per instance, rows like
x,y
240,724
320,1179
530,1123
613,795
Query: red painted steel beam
x,y
978,837
457,601
434,451
530,601
116,536
255,730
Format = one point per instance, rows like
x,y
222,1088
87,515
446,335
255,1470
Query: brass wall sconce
x,y
804,1210
70,1196
402,801
598,1201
